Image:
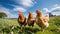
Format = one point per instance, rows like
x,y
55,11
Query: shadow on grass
x,y
28,30
18,30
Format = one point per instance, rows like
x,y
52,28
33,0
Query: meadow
x,y
7,24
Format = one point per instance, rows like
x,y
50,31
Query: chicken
x,y
21,19
30,19
42,21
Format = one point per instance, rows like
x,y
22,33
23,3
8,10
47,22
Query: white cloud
x,y
26,3
7,11
45,9
19,9
55,5
56,8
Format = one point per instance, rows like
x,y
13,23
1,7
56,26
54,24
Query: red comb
x,y
19,12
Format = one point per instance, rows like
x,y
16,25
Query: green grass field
x,y
6,24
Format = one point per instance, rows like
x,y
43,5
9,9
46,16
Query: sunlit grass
x,y
54,27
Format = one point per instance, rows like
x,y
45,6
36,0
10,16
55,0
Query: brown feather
x,y
31,19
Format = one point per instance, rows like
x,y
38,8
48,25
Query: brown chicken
x,y
42,21
21,19
30,19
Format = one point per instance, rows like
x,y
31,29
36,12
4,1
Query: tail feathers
x,y
47,17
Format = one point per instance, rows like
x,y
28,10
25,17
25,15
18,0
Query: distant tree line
x,y
3,15
50,15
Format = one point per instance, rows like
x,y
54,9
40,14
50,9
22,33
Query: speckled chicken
x,y
42,21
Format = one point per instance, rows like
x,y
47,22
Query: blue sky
x,y
11,7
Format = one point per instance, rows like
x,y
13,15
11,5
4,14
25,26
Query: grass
x,y
6,25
